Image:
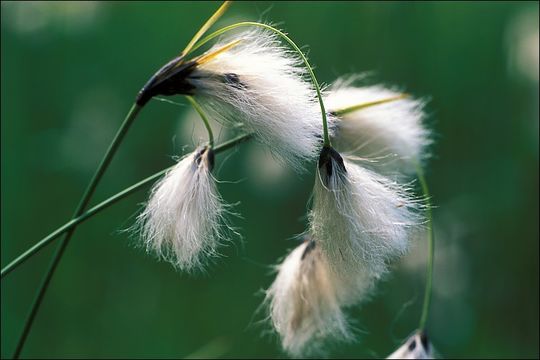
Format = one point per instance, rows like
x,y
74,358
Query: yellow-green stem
x,y
365,105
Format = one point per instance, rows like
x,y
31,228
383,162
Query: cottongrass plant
x,y
303,302
254,79
251,78
381,126
360,221
184,220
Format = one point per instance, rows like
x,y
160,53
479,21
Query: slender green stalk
x,y
132,114
204,118
326,137
431,251
365,105
102,206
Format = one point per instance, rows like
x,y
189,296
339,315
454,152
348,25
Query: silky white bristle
x,y
416,347
390,136
183,221
304,302
262,84
361,219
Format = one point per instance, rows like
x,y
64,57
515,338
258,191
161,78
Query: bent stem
x,y
431,251
102,206
130,117
204,118
326,137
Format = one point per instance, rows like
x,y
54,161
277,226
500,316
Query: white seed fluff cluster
x,y
391,135
183,221
304,302
360,218
262,84
416,347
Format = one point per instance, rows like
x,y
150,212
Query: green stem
x,y
102,206
133,112
199,110
326,137
431,251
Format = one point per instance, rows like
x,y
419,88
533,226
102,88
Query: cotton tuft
x,y
362,220
416,347
304,302
183,221
262,84
391,136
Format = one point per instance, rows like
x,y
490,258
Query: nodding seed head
x,y
171,79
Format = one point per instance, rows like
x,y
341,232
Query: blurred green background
x,y
70,72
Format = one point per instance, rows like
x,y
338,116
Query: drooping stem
x,y
132,114
364,105
326,137
431,251
204,118
102,206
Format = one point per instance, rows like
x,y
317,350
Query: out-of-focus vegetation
x,y
69,73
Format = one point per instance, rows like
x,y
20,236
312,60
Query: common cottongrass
x,y
184,219
306,301
360,219
386,130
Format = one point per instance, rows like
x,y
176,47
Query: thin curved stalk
x,y
204,118
431,251
326,137
130,117
102,206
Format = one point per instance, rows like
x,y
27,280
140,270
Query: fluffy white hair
x,y
416,347
304,302
262,84
391,136
183,221
361,219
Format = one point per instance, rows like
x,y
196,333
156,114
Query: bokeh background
x,y
70,72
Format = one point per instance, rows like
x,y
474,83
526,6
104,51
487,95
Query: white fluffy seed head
x,y
391,136
361,219
304,302
183,221
416,347
263,85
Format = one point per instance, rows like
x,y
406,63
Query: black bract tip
x,y
209,156
329,158
169,80
310,246
424,339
